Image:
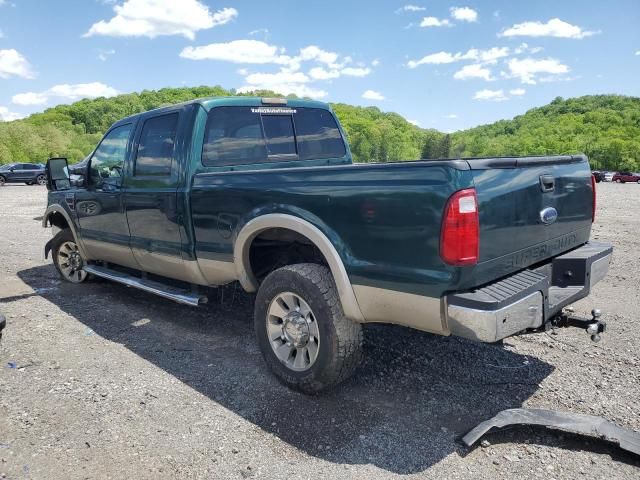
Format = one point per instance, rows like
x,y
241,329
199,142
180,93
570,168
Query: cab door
x,y
100,208
151,195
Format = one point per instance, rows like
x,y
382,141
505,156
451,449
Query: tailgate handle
x,y
547,183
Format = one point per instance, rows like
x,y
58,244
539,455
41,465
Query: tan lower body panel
x,y
217,272
388,306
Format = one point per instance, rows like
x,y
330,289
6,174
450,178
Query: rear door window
x,y
156,146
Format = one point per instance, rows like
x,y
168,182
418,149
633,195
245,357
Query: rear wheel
x,y
303,334
41,180
67,258
638,181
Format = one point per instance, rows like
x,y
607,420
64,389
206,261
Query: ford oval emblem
x,y
548,215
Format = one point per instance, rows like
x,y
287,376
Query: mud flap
x,y
570,422
47,248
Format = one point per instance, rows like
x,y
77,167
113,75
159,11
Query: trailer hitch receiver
x,y
593,326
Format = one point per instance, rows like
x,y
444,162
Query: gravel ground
x,y
110,382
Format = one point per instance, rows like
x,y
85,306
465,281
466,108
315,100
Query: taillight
x,y
593,198
459,239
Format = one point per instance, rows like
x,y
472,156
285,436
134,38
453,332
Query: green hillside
x,y
605,127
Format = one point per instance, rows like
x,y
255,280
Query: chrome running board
x,y
172,293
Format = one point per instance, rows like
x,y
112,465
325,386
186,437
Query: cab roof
x,y
240,101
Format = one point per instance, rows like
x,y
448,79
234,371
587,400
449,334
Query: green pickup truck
x,y
263,191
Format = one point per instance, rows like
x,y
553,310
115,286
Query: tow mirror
x,y
58,174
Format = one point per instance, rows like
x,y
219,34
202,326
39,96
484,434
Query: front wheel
x,y
2,181
302,332
67,258
618,181
41,180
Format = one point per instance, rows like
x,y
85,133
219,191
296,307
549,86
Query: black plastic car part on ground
x,y
570,422
3,323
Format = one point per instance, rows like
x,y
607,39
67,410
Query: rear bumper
x,y
527,299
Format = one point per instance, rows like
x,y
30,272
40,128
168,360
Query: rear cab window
x,y
250,135
154,156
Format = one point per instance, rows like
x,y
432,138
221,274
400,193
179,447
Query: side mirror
x,y
58,174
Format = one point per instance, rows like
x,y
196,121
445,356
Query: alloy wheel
x,y
71,263
293,331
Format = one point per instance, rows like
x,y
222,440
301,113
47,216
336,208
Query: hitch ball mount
x,y
593,326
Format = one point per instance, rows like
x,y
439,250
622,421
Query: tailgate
x,y
518,198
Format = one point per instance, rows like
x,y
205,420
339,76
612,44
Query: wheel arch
x,y
56,216
258,225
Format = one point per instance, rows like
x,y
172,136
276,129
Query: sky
x,y
448,65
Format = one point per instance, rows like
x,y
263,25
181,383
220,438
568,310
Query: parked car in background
x,y
608,176
29,173
599,176
624,177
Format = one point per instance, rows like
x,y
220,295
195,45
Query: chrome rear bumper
x,y
527,299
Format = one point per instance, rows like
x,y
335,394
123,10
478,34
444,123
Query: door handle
x,y
547,183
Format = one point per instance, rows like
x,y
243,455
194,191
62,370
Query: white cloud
x,y
482,56
258,31
553,28
475,70
285,82
29,98
238,51
153,18
372,95
487,56
451,115
316,53
376,62
525,48
517,92
319,73
1,34
433,59
7,116
13,64
355,71
410,8
414,122
638,52
490,95
528,68
65,92
434,22
104,54
464,14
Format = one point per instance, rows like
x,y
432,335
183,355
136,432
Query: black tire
x,y
3,181
340,347
40,180
618,181
65,237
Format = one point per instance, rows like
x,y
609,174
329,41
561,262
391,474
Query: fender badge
x,y
548,215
